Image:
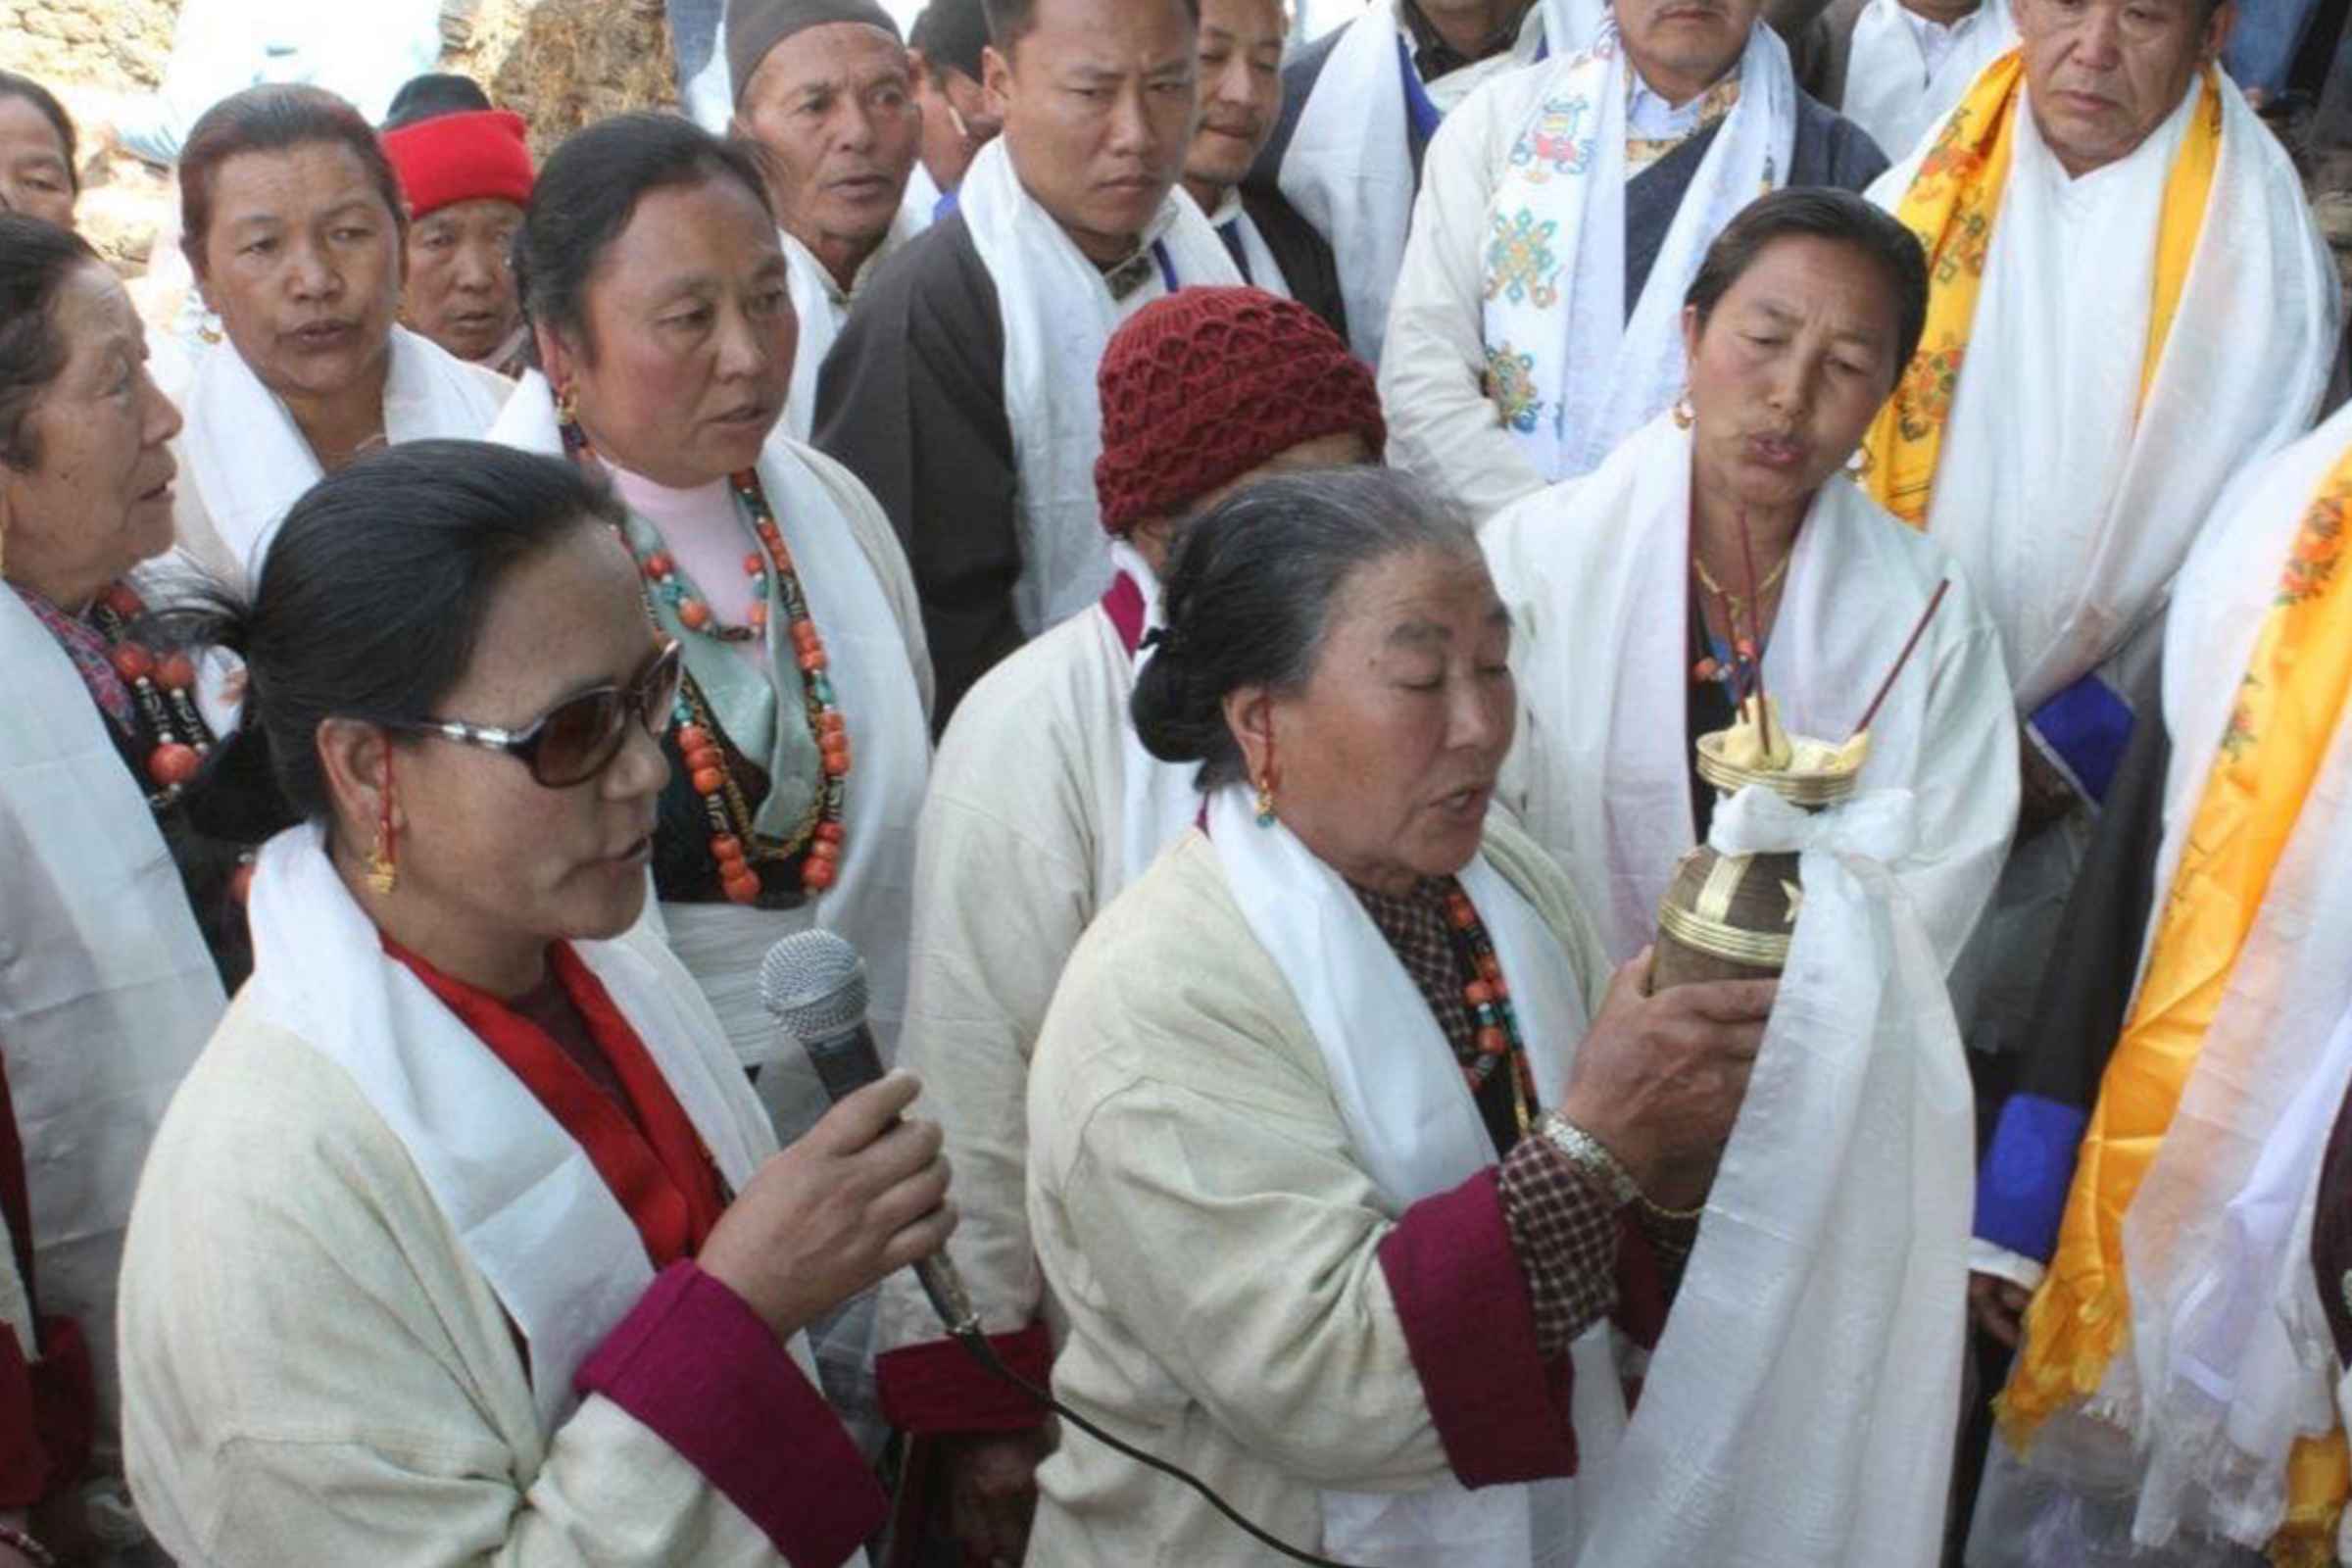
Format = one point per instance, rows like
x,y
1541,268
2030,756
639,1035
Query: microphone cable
x,y
968,1335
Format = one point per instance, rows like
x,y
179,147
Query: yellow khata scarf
x,y
2279,733
1951,207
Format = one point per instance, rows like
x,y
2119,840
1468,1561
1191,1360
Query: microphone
x,y
813,984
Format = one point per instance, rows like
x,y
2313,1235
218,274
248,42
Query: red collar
x,y
655,1165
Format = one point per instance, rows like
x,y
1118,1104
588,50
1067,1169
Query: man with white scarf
x,y
1895,68
962,389
1359,105
2169,1154
824,87
2128,303
1537,321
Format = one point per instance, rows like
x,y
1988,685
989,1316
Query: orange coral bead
x,y
693,613
1502,993
123,601
811,661
1493,1041
692,738
818,874
758,612
707,780
743,889
829,832
131,661
837,764
1477,993
658,564
703,759
726,847
173,763
824,849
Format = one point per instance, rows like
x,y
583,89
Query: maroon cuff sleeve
x,y
1642,1294
936,1386
23,1462
48,1413
694,1364
1500,1408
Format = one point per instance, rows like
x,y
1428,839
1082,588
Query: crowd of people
x,y
1248,581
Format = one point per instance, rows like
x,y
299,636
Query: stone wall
x,y
559,63
116,44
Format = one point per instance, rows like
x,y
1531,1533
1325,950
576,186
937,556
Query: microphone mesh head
x,y
815,984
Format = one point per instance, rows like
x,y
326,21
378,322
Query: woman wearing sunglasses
x,y
466,1240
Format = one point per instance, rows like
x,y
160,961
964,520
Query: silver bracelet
x,y
1592,1157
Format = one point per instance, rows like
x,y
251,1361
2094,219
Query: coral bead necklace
x,y
818,838
1498,1046
163,686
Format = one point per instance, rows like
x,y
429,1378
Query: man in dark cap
x,y
824,87
962,389
432,96
946,46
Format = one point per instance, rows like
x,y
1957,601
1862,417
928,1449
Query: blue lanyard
x,y
1417,107
1168,268
1230,231
1425,115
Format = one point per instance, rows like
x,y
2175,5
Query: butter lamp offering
x,y
1731,916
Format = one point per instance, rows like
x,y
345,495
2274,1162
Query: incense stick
x,y
1731,626
1755,627
1903,658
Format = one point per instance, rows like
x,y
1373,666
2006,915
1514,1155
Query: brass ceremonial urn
x,y
1731,916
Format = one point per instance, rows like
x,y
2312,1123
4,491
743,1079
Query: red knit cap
x,y
1203,386
460,157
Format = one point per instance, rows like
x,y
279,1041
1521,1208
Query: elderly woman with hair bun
x,y
120,928
293,222
1341,1206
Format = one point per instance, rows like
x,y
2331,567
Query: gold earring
x,y
1266,799
1859,470
568,405
383,874
1685,416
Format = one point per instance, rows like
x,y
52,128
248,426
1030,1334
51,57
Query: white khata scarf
x,y
1157,800
522,1198
249,462
1416,1130
1058,313
1567,369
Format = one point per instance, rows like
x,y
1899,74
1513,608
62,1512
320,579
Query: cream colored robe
x,y
1007,827
1211,1237
326,1379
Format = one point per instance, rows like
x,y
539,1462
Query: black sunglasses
x,y
576,739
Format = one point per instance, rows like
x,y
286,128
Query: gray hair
x,y
1249,595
